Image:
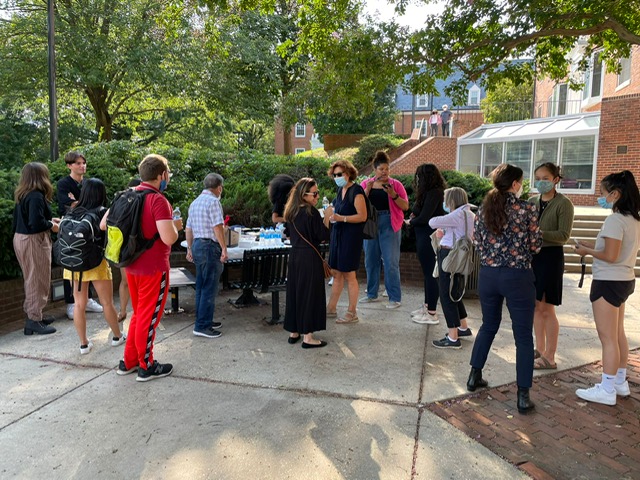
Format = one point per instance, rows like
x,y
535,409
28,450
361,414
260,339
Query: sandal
x,y
122,317
332,314
536,354
349,317
544,364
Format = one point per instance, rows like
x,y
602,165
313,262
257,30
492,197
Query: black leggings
x,y
427,258
453,311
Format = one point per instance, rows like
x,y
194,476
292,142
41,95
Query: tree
x,y
477,36
507,102
124,58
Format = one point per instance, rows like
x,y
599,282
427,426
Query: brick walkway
x,y
566,438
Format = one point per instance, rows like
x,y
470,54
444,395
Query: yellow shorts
x,y
101,272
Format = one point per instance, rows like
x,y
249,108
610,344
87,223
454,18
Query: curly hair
x,y
346,166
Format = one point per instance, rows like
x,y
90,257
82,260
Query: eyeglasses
x,y
337,174
315,194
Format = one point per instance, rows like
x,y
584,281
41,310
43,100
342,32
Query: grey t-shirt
x,y
624,228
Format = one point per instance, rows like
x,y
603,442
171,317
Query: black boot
x,y
48,319
476,380
525,404
31,327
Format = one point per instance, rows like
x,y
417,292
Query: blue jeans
x,y
518,287
385,247
206,256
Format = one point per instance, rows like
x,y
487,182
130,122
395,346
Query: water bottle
x,y
262,237
176,213
325,203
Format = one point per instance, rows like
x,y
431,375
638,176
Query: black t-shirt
x,y
67,185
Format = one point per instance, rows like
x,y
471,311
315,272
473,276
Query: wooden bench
x,y
263,270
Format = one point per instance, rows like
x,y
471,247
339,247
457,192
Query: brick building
x,y
589,133
302,138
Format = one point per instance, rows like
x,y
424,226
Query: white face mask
x,y
520,190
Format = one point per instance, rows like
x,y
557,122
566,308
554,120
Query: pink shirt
x,y
397,215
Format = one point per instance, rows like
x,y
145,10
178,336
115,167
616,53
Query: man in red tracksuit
x,y
148,276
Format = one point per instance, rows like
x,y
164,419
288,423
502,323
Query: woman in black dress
x,y
348,214
306,310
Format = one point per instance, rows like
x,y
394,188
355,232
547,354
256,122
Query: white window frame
x,y
304,130
588,96
424,126
422,100
473,91
624,68
299,150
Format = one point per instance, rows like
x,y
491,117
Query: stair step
x,y
584,232
587,224
577,268
595,218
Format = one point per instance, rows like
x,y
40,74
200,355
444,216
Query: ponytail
x,y
495,203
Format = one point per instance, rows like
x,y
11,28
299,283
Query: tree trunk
x,y
104,122
286,132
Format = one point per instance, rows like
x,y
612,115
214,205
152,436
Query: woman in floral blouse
x,y
507,236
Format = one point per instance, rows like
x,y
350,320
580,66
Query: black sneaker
x,y
465,333
157,370
123,370
208,333
216,325
447,343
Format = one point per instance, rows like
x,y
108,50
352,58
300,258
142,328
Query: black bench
x,y
263,270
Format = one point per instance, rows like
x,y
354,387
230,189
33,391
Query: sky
x,y
414,17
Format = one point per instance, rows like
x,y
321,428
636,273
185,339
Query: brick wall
x,y
610,87
334,141
440,151
296,142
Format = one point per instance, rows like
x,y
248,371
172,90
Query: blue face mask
x,y
445,208
163,185
340,181
544,186
602,201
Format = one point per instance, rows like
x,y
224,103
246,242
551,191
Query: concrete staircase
x,y
585,227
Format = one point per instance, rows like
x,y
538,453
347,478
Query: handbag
x,y
460,260
325,265
370,230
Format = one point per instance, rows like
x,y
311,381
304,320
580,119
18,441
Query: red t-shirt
x,y
156,259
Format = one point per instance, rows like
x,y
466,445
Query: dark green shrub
x,y
9,267
247,203
370,144
475,185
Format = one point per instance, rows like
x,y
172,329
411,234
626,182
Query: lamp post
x,y
53,101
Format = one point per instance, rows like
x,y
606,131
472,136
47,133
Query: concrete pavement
x,y
249,405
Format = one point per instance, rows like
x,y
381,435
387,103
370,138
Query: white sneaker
x,y
368,300
419,312
330,281
70,307
597,394
385,294
391,305
119,341
87,349
426,319
93,306
622,389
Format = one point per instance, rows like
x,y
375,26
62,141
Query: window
x,y
559,100
545,151
625,71
424,126
593,78
470,158
299,150
519,154
492,157
576,162
474,95
301,130
422,100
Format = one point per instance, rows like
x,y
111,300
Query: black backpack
x,y
125,241
80,243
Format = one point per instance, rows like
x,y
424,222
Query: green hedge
x,y
370,144
247,175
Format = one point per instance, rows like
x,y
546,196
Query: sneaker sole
x,y
424,322
448,347
152,377
601,402
200,334
126,372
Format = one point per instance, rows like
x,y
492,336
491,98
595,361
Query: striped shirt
x,y
205,212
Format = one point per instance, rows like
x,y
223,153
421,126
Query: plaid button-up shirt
x,y
205,213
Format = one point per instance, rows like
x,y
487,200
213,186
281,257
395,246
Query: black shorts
x,y
614,292
548,267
